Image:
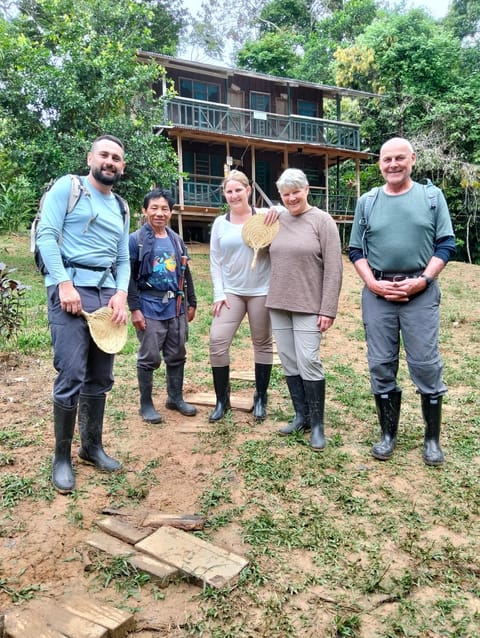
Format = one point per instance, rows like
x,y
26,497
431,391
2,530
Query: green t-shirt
x,y
402,229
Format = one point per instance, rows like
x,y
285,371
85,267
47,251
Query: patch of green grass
x,y
74,512
6,459
13,438
14,488
21,594
119,573
347,626
223,517
218,493
127,487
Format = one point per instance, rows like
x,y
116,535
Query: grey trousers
x,y
162,337
81,366
298,343
225,326
417,322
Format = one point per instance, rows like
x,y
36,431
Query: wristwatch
x,y
429,280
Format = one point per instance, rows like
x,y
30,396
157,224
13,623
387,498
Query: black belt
x,y
106,271
395,276
74,264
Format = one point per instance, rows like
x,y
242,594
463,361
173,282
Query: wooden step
x,y
204,561
73,617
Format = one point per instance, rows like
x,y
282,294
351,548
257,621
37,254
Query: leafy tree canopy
x,y
274,54
69,72
463,19
334,30
286,14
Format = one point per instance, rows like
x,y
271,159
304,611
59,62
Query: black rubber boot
x,y
299,422
90,424
315,397
262,379
432,415
221,383
388,412
64,425
175,392
145,385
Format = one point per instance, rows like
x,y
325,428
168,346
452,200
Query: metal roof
x,y
225,72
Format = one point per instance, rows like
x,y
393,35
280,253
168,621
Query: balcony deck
x,y
202,199
222,119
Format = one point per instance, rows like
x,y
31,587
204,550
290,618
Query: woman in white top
x,y
238,291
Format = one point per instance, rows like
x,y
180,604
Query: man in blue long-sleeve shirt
x,y
86,255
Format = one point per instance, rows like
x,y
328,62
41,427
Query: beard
x,y
107,180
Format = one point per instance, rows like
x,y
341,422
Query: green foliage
x,y
463,19
17,199
18,595
336,29
274,53
14,488
413,54
12,306
411,60
69,72
118,571
286,15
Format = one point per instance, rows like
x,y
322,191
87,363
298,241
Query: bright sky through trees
x,y
438,8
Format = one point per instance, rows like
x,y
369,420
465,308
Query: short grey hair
x,y
292,178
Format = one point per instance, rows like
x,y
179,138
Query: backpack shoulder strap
x,y
432,192
139,238
124,208
367,210
76,190
369,202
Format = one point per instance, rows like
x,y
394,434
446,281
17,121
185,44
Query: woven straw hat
x,y
109,337
256,234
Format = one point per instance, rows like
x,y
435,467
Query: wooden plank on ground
x,y
209,398
118,622
213,565
123,530
162,573
187,522
67,623
25,624
243,375
110,544
160,570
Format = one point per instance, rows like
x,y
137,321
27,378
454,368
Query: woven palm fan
x,y
257,235
109,337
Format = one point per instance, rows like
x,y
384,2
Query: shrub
x,y
17,205
12,305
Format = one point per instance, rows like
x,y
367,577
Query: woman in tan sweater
x,y
306,278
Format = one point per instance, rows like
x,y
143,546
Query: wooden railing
x,y
206,192
222,118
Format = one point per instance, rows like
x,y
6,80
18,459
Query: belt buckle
x,y
399,278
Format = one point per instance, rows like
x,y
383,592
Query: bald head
x,y
397,159
395,142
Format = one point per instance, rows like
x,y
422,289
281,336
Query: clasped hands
x,y
400,291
